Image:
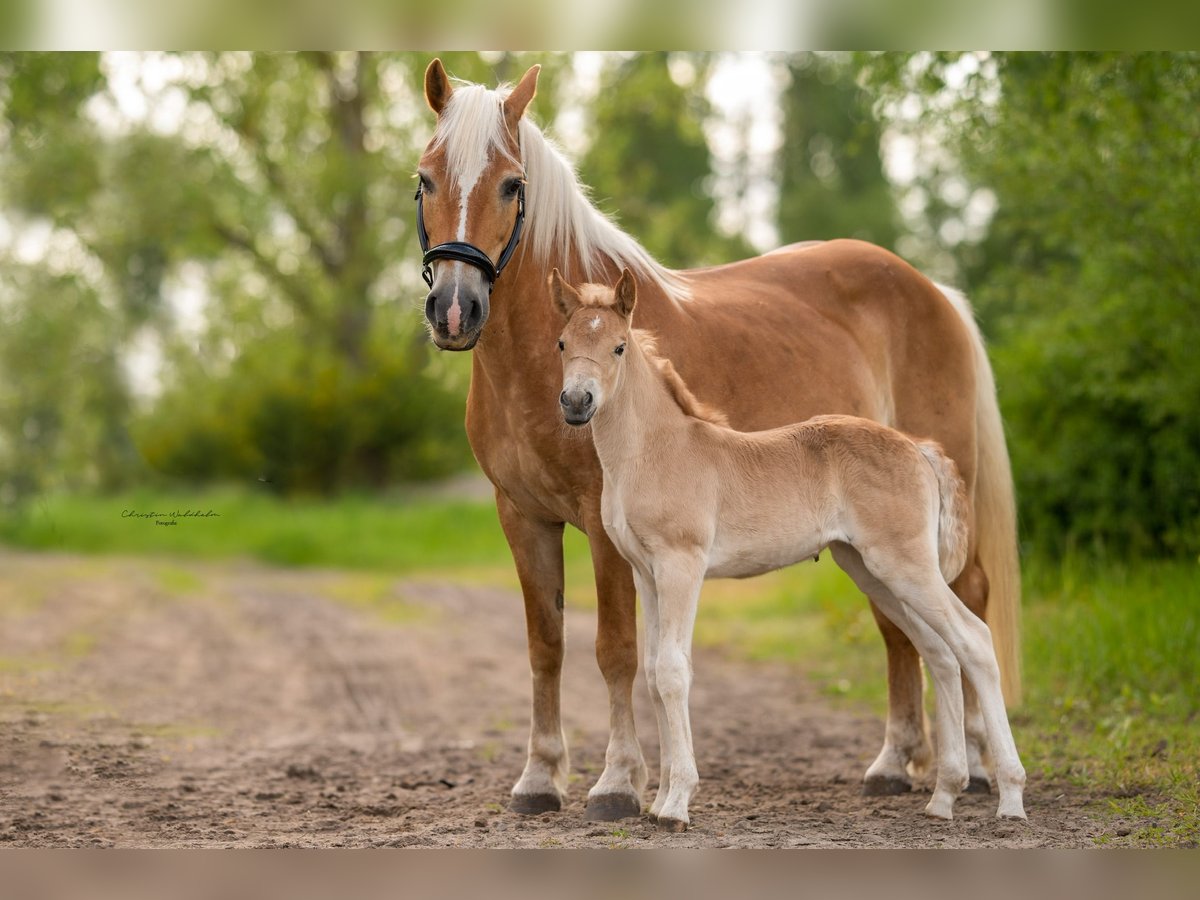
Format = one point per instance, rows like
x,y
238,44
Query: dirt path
x,y
152,705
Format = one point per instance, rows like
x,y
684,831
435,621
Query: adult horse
x,y
837,327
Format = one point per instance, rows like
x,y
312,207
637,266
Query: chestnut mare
x,y
838,327
687,498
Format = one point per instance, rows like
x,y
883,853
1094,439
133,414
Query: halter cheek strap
x,y
462,251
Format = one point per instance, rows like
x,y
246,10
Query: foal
x,y
687,498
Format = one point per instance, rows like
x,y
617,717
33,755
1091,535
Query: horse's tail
x,y
995,514
953,536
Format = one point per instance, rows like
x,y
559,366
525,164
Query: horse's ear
x,y
515,103
625,294
565,297
437,86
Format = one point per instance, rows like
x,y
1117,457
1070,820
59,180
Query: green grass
x,y
1112,650
400,534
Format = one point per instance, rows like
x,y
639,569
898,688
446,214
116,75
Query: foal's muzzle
x,y
578,406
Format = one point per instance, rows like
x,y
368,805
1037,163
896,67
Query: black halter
x,y
461,251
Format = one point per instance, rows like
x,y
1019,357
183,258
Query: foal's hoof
x,y
978,785
535,804
885,786
674,826
611,807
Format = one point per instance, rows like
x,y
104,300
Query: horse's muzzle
x,y
455,323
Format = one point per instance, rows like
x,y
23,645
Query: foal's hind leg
x,y
972,588
952,753
971,641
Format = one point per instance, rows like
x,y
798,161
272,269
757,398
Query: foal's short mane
x,y
559,217
675,384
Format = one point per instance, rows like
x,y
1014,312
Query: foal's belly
x,y
744,556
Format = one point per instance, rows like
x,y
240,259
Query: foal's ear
x,y
565,297
437,86
625,294
515,103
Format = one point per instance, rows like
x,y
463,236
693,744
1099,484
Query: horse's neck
x,y
637,421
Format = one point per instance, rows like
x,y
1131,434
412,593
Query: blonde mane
x,y
559,216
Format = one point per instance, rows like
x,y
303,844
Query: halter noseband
x,y
462,251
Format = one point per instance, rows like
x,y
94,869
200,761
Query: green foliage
x,y
648,160
1085,280
831,180
304,422
57,369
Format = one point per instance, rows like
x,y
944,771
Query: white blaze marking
x,y
595,323
466,184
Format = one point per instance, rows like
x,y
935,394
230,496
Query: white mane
x,y
559,216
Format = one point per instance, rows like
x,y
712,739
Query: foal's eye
x,y
620,349
561,346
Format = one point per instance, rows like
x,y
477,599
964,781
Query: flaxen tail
x,y
995,514
952,516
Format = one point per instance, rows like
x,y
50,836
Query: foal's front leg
x,y
678,580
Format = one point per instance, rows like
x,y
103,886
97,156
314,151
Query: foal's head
x,y
471,181
593,343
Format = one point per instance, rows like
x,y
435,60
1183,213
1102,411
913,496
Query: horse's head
x,y
470,200
593,343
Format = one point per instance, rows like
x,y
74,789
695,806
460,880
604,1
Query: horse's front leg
x,y
618,793
538,553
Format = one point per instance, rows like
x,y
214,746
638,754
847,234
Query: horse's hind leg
x,y
905,741
618,792
537,551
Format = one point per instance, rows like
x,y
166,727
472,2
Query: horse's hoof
x,y
611,807
978,785
535,804
885,786
674,826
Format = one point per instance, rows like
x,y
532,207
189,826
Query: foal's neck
x,y
636,420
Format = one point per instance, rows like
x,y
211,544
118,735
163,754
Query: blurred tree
x,y
648,161
831,179
1086,278
281,182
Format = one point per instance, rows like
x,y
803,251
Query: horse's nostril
x,y
587,399
562,399
430,302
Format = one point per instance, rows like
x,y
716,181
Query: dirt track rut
x,y
146,705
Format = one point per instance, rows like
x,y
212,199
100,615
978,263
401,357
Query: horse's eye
x,y
620,349
512,186
561,347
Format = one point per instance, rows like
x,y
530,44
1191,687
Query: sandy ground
x,y
146,705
